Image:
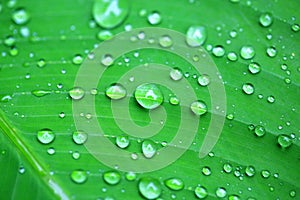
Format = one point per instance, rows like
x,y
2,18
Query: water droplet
x,y
248,88
130,176
107,60
9,41
174,184
116,91
104,35
122,141
265,19
110,13
234,197
112,177
295,27
149,148
196,36
150,188
77,59
271,52
45,136
247,52
260,131
250,171
203,80
76,155
292,193
230,116
40,93
20,16
201,192
13,51
148,95
51,151
233,34
206,171
79,176
22,170
221,192
232,56
174,100
76,93
154,18
227,168
265,173
165,41
271,99
254,68
199,108
176,74
80,137
41,63
218,51
284,141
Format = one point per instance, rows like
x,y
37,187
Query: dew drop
x,y
41,63
295,27
9,41
284,141
51,151
206,171
130,176
196,36
154,18
150,188
110,13
45,136
292,193
174,184
232,56
271,99
265,173
22,170
174,100
104,35
201,192
227,168
198,108
248,88
218,51
76,155
165,41
79,176
176,74
254,68
271,52
265,19
250,171
80,137
259,131
149,148
77,59
107,60
20,16
221,192
247,52
122,141
112,177
203,80
116,91
40,93
148,95
76,93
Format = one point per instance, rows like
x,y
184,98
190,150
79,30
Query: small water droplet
x,y
295,27
51,151
130,176
20,16
174,184
271,99
154,18
174,100
45,136
227,167
80,137
265,173
206,171
254,68
265,19
150,188
40,93
110,13
104,35
292,193
233,34
76,155
247,52
148,95
201,192
196,36
203,80
79,176
107,60
9,41
232,56
122,141
149,148
284,141
112,177
250,171
218,51
248,88
41,63
77,59
199,108
259,131
76,93
116,91
22,170
221,192
165,41
271,52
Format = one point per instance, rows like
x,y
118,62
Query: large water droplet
x,y
174,184
80,137
221,192
154,18
265,19
122,141
45,136
271,52
254,68
247,52
196,36
165,41
148,95
79,176
150,188
176,74
203,80
112,177
284,141
116,91
218,51
76,93
248,88
227,168
199,108
107,60
201,192
250,171
20,16
149,148
260,131
110,13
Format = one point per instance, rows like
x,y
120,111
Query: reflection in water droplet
x,y
265,173
51,151
227,168
104,35
271,52
206,171
130,176
149,148
148,95
40,93
107,60
77,59
199,108
174,100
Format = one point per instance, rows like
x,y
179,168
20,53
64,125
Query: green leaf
x,y
44,44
